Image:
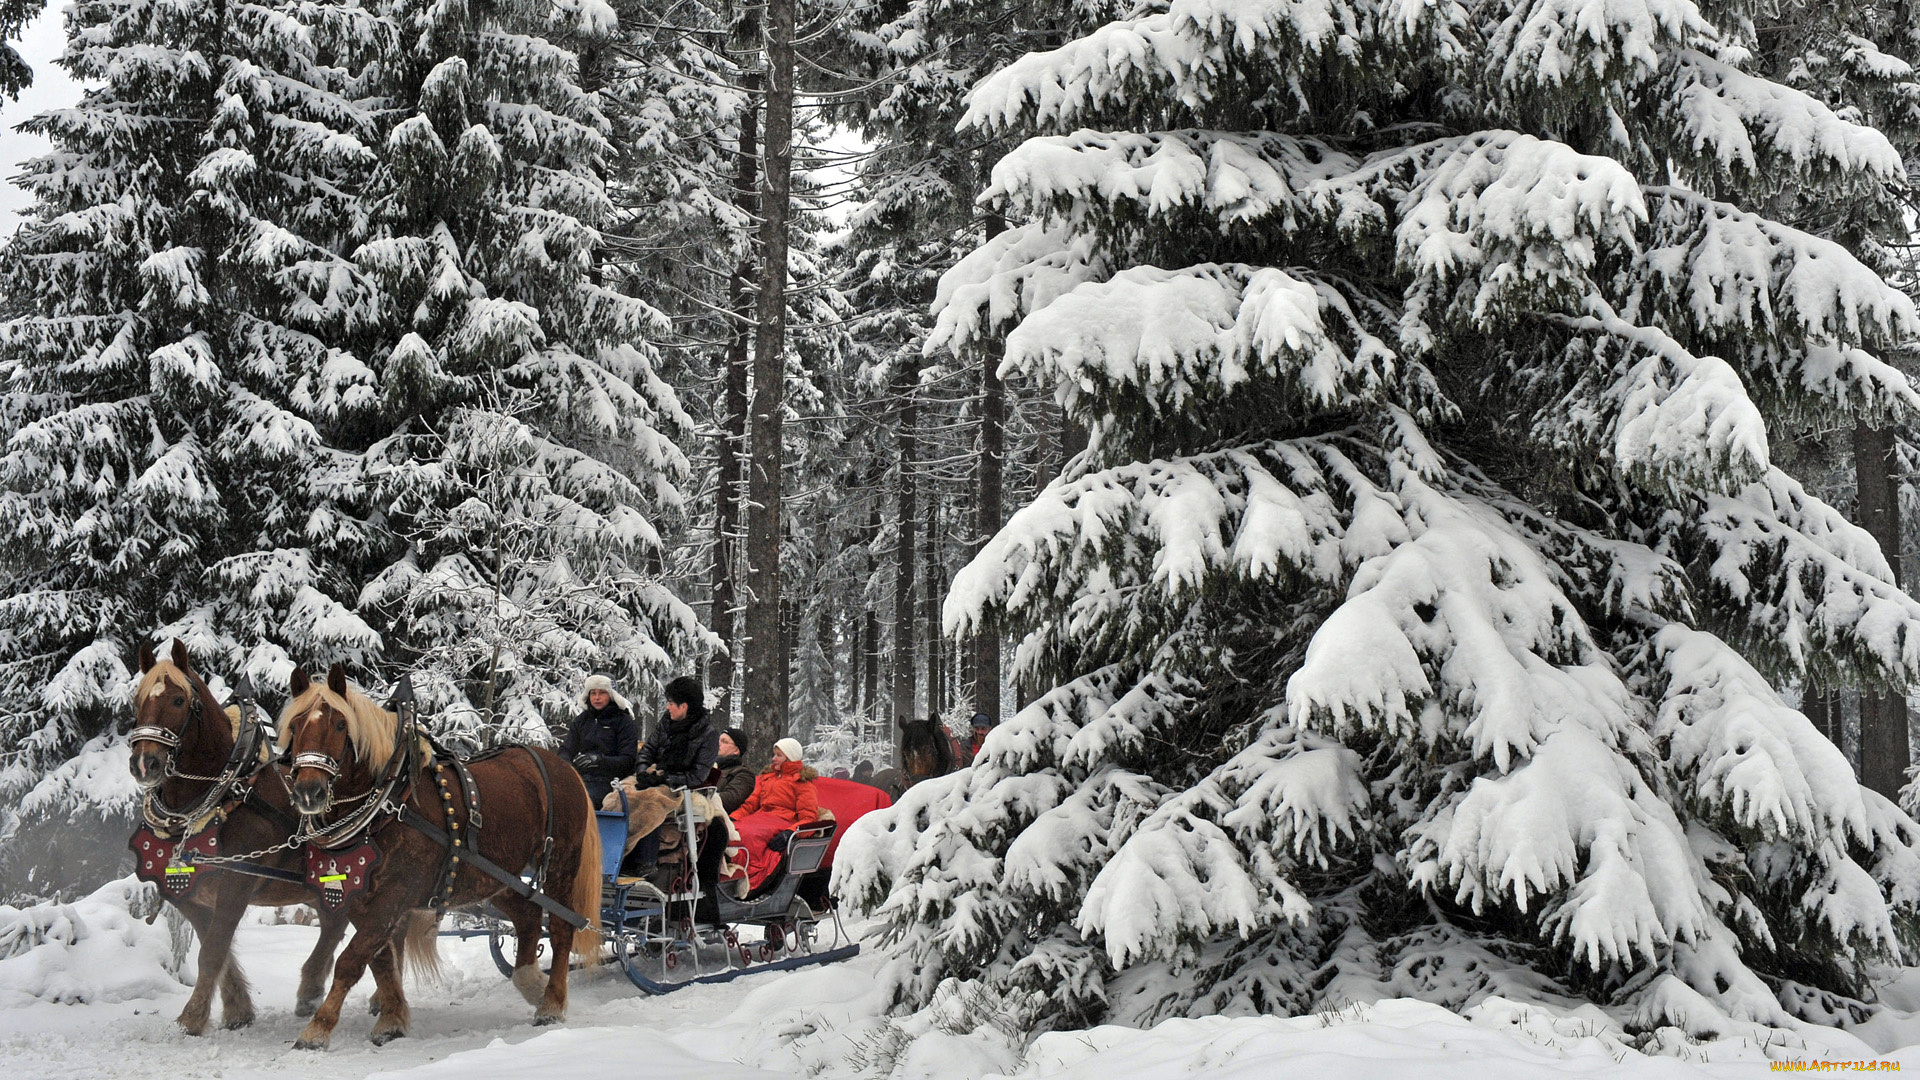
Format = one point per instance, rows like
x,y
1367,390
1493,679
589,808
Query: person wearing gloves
x,y
604,739
680,755
783,796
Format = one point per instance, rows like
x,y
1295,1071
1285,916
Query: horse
x,y
926,751
182,740
536,814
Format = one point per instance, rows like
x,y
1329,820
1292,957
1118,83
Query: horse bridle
x,y
389,778
236,771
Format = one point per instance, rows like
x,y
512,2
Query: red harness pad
x,y
168,863
340,875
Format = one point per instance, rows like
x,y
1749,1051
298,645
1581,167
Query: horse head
x,y
169,707
924,750
333,732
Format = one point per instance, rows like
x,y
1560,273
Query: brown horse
x,y
339,737
172,704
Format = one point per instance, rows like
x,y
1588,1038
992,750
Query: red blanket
x,y
848,801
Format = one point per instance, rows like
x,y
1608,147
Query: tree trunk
x,y
989,470
870,623
905,655
936,651
825,630
733,421
763,651
799,727
1884,751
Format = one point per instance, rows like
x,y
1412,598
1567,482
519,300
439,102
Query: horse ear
x,y
180,658
298,683
337,678
146,657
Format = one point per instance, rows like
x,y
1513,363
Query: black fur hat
x,y
686,690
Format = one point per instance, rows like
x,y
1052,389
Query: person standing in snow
x,y
604,739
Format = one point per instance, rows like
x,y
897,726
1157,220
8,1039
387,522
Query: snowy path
x,y
473,1026
610,1027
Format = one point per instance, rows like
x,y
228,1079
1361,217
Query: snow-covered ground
x,y
819,1022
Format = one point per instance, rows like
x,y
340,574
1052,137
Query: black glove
x,y
586,762
778,841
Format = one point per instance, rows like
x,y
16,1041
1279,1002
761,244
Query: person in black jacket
x,y
680,755
604,739
730,774
684,746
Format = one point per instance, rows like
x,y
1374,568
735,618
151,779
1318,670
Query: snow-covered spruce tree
x,y
158,476
513,434
1413,617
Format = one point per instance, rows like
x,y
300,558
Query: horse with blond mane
x,y
205,792
411,830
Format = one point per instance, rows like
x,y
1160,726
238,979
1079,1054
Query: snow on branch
x,y
1169,340
1500,223
1256,511
1543,44
1803,586
1666,416
1748,758
1009,277
1763,133
1234,178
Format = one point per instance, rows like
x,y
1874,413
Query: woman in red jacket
x,y
783,796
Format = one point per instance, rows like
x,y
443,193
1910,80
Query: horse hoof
x,y
543,1019
382,1038
235,1023
192,1027
309,1044
306,1006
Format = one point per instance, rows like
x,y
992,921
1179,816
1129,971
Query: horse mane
x,y
369,727
156,679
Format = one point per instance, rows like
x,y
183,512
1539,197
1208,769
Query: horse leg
x,y
313,973
553,1004
200,1003
370,935
526,955
388,994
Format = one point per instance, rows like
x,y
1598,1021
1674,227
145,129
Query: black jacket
x,y
734,780
610,732
683,752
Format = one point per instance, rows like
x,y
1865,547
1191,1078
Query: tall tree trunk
x,y
905,655
936,653
800,728
989,470
826,629
1884,752
870,622
733,423
765,707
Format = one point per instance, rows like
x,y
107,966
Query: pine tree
x,y
1413,616
161,471
517,437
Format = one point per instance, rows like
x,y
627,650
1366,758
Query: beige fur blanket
x,y
648,808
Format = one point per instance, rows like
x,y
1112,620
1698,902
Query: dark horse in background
x,y
172,701
926,751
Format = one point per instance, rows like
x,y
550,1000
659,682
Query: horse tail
x,y
419,946
586,885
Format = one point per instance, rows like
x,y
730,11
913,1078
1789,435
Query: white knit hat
x,y
789,747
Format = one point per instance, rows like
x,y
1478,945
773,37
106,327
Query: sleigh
x,y
703,925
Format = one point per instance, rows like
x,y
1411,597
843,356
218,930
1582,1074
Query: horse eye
x,y
179,701
339,725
